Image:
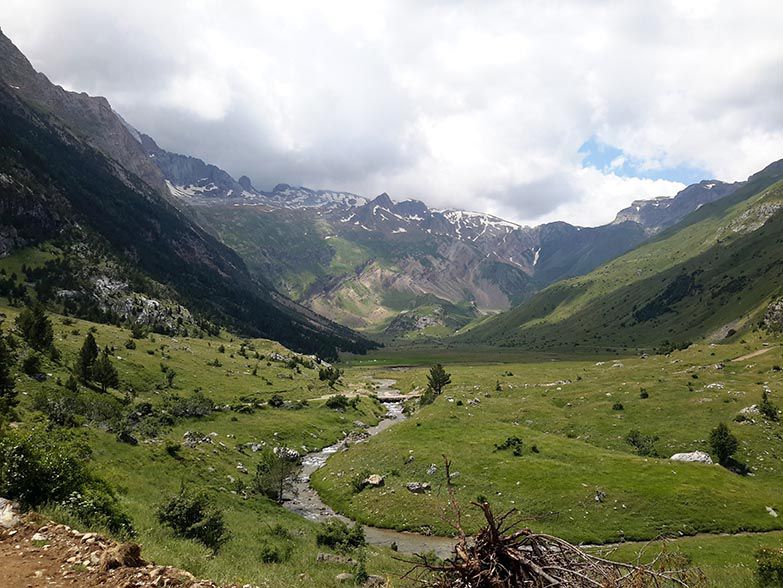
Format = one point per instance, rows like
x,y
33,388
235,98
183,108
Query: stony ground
x,y
36,554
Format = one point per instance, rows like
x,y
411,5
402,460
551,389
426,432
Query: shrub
x,y
8,399
643,394
130,344
341,403
643,444
514,443
276,401
767,408
39,466
270,554
335,534
618,406
769,567
723,443
31,364
429,397
331,375
61,406
96,506
193,516
196,405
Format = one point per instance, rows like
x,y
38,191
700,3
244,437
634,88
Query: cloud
x,y
479,106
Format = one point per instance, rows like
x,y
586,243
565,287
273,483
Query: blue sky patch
x,y
609,158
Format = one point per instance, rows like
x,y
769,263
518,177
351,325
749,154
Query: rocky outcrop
x,y
87,116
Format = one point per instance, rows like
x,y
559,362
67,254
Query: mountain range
x,y
401,268
136,232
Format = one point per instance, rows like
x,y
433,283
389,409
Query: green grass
x,y
143,474
581,447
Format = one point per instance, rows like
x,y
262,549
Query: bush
x,y
31,364
618,406
271,554
61,406
276,401
643,444
643,394
514,443
97,507
341,402
767,409
331,375
39,466
335,534
429,397
193,516
769,567
195,406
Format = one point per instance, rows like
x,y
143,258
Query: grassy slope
x,y
582,448
143,474
596,310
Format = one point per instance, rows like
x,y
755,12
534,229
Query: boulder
x,y
122,555
417,487
344,578
693,456
9,516
333,558
374,481
432,469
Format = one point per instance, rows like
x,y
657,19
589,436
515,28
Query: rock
x,y
375,582
417,487
332,558
38,537
124,555
242,468
344,578
409,459
693,456
772,512
374,481
8,514
753,409
432,469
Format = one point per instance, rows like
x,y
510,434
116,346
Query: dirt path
x,y
40,554
754,354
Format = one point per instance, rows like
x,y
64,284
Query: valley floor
x,y
541,434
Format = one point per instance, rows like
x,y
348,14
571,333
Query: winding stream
x,y
307,503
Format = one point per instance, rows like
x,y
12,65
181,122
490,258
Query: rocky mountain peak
x,y
382,200
245,182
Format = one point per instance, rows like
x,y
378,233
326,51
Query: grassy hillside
x,y
239,386
573,446
714,272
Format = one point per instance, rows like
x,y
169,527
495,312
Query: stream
x,y
307,503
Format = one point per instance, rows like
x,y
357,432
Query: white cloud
x,y
464,105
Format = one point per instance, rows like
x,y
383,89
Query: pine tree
x,y
87,357
438,378
723,443
35,327
104,372
8,398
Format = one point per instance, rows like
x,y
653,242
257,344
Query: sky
x,y
531,110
